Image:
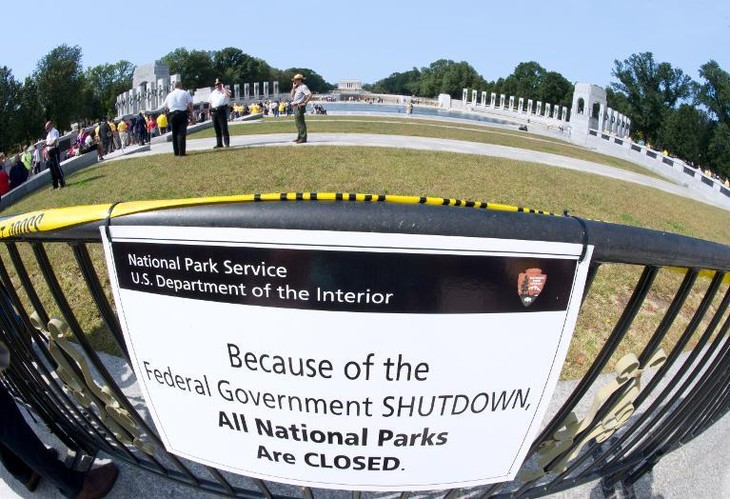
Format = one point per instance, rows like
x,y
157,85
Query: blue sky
x,y
371,40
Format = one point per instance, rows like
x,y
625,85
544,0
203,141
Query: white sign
x,y
346,360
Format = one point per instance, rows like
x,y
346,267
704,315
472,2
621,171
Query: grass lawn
x,y
409,172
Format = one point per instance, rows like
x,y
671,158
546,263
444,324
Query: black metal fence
x,y
663,332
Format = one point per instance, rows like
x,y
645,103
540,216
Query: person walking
x,y
219,101
27,458
54,156
300,96
180,105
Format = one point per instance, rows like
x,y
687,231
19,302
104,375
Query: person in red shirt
x,y
4,182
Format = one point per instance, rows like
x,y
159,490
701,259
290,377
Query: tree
x,y
449,77
525,81
195,67
715,91
399,83
686,132
554,88
650,90
314,80
718,149
29,117
59,78
105,82
9,89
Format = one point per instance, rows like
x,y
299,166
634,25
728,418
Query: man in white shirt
x,y
219,100
54,156
179,104
300,96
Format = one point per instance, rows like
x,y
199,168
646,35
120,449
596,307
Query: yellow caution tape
x,y
60,218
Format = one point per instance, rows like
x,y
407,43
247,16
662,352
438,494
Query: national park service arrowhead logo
x,y
530,284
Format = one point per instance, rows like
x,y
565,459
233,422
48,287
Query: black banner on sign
x,y
353,281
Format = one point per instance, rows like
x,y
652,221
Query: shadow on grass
x,y
86,180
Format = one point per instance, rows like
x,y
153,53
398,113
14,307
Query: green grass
x,y
433,129
396,171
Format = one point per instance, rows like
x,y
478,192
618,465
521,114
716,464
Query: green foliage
x,y
650,90
59,77
715,92
9,89
719,149
194,66
407,83
104,83
685,132
448,77
314,81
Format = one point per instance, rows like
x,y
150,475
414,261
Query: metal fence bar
x,y
97,293
653,411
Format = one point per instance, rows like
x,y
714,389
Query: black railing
x,y
615,434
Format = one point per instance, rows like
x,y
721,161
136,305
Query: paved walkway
x,y
455,146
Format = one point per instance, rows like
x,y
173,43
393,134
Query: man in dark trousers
x,y
179,104
29,460
300,96
219,100
54,155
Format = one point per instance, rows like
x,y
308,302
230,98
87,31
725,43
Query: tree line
x,y
668,109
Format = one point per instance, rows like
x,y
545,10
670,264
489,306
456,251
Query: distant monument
x,y
152,82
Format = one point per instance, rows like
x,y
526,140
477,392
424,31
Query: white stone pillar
x,y
611,120
473,97
511,102
547,110
529,106
538,108
502,100
493,100
521,105
256,94
246,91
464,96
237,92
484,99
266,90
556,110
276,89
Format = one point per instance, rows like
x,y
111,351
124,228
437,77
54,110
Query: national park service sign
x,y
346,360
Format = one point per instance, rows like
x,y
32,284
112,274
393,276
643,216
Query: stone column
x,y
484,99
556,109
246,91
521,105
266,90
464,96
538,108
601,118
511,103
502,100
256,94
611,120
276,89
547,110
492,100
237,92
529,106
473,97
564,114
